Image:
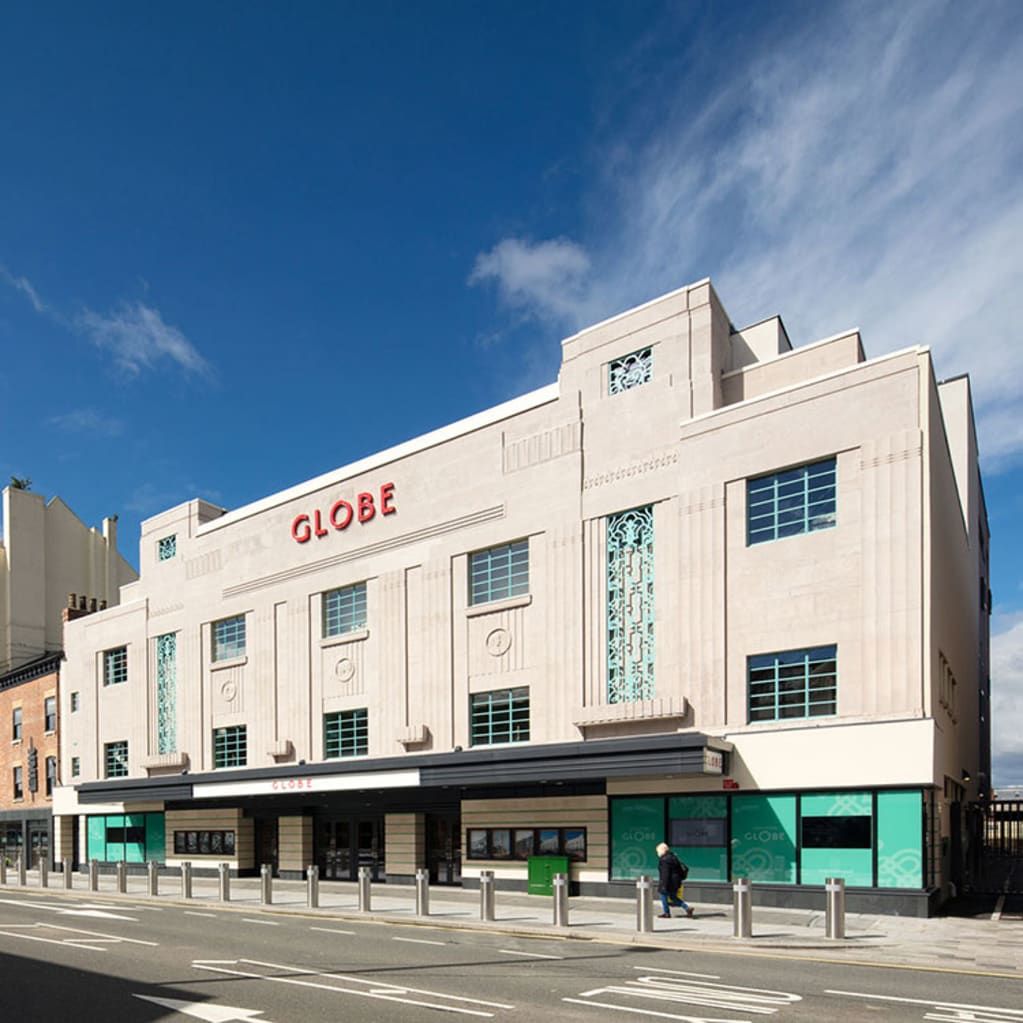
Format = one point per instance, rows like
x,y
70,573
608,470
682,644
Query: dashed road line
x,y
419,941
265,923
193,912
330,930
531,955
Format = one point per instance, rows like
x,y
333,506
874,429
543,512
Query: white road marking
x,y
86,911
648,1012
387,993
92,940
205,1010
330,930
193,912
678,973
963,1011
532,955
419,941
51,941
253,920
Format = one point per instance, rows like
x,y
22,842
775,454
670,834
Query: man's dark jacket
x,y
669,873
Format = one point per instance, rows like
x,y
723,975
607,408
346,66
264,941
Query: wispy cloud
x,y
23,285
133,333
864,172
88,421
137,337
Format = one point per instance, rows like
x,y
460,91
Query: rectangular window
x,y
800,500
346,734
344,610
16,725
115,759
793,684
115,666
51,774
500,716
499,572
76,766
230,746
630,371
50,713
519,844
166,547
74,702
19,785
229,638
212,842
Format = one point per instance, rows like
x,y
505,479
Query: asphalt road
x,y
76,958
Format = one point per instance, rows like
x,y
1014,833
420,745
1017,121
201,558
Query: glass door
x,y
370,850
444,848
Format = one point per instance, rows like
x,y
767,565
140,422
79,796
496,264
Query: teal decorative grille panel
x,y
167,693
630,371
630,605
166,547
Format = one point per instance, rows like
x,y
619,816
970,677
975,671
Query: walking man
x,y
670,875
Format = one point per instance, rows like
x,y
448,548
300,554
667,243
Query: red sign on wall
x,y
341,514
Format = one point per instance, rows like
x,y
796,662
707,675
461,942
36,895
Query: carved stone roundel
x,y
229,690
345,669
499,642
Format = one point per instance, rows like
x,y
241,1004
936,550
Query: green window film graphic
x,y
96,838
764,838
134,837
836,831
698,834
155,837
637,825
900,857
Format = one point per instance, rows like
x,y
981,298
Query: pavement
x,y
987,942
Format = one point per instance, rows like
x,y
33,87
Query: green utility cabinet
x,y
541,871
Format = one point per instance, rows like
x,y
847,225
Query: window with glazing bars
x,y
115,666
16,725
630,371
50,713
115,759
229,638
76,766
18,783
793,684
230,746
499,573
344,610
799,500
346,734
51,774
500,716
166,547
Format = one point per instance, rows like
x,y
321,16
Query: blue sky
x,y
241,244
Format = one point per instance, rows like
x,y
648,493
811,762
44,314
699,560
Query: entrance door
x,y
266,843
39,843
444,848
347,843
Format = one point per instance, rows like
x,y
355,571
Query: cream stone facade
x,y
547,629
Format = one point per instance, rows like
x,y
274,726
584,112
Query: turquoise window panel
x,y
836,804
166,693
900,856
703,819
637,825
764,838
854,866
841,823
114,850
96,838
155,837
135,837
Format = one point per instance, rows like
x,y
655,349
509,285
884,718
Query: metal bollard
x,y
122,877
69,875
742,908
224,872
422,892
365,894
834,909
21,870
186,879
644,903
266,884
561,900
44,872
312,886
3,868
93,875
486,895
153,878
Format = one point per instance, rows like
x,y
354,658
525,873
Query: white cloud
x,y
23,285
863,172
1007,705
88,421
137,337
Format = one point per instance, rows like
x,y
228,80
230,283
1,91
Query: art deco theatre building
x,y
705,588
